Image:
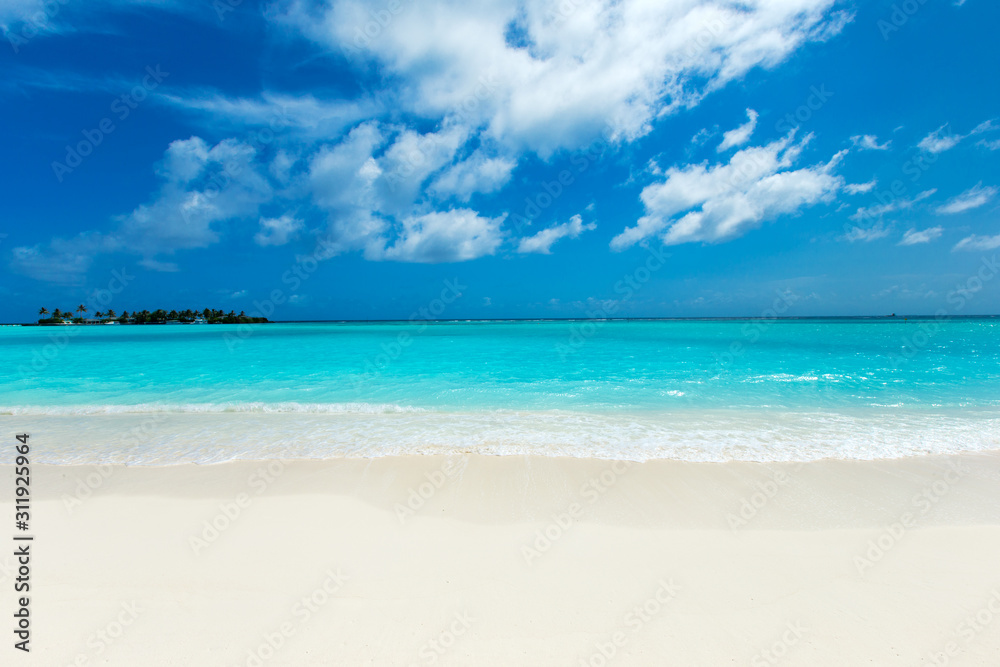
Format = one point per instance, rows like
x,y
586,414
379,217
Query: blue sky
x,y
343,160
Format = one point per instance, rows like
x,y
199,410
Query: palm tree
x,y
111,314
81,309
98,314
56,314
43,311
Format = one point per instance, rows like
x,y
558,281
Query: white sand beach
x,y
515,561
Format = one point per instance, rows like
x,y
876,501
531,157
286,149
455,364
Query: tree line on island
x,y
159,316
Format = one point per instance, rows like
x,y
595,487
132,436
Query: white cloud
x,y
703,135
22,20
894,204
719,202
29,17
157,265
183,161
905,292
15,11
277,231
740,135
914,237
860,188
542,241
302,115
869,142
974,197
410,160
976,242
867,234
367,183
202,186
342,179
369,192
939,141
342,176
282,165
486,82
575,70
451,236
477,173
61,261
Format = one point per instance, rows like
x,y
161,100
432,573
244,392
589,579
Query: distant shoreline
x,y
262,320
79,316
807,318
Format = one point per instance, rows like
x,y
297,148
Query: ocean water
x,y
690,389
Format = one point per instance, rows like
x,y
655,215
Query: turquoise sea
x,y
691,389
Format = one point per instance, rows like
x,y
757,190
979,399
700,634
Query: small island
x,y
160,316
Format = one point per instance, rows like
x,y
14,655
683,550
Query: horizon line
x,y
589,319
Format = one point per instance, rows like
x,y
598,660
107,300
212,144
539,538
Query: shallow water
x,y
691,389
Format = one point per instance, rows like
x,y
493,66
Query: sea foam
x,y
211,434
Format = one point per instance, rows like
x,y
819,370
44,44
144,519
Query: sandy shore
x,y
513,561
